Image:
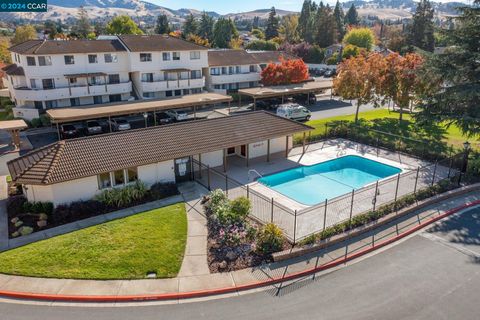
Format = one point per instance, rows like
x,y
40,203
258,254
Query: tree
x,y
223,32
396,39
454,76
256,22
198,40
303,21
259,34
99,27
5,56
262,45
24,33
339,20
82,26
205,27
351,18
360,37
350,51
421,32
123,25
271,31
356,80
288,29
315,55
162,26
190,26
326,33
398,79
50,29
285,72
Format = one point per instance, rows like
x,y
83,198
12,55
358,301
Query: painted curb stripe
x,y
209,292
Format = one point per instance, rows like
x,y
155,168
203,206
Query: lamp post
x,y
466,153
145,116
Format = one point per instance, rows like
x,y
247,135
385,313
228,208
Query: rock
x,y
18,223
15,234
223,265
42,223
25,230
231,255
15,220
43,216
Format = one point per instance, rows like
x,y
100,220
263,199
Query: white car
x,y
120,124
293,111
177,115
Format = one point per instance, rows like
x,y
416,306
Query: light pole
x,y
145,116
466,153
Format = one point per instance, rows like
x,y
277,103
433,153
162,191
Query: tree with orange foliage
x,y
286,72
357,79
398,80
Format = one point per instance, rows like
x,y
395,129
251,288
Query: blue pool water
x,y
326,180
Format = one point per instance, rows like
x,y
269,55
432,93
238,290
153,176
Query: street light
x,y
145,115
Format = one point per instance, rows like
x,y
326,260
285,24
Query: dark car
x,y
93,127
330,73
163,118
319,72
305,99
68,131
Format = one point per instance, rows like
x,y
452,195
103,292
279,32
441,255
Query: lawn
x,y
128,248
385,120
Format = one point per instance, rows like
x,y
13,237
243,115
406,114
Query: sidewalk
x,y
185,286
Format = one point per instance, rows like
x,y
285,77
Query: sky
x,y
235,6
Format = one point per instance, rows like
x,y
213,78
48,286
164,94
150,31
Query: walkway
x,y
233,280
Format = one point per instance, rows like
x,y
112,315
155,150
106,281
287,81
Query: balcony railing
x,y
165,85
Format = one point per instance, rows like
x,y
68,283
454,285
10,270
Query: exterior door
x,y
243,150
183,169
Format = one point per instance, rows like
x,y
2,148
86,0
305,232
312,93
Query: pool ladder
x,y
253,171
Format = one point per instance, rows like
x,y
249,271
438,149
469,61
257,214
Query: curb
x,y
203,293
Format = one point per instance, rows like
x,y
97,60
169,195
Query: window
x,y
115,97
253,68
238,69
196,90
149,94
144,57
51,104
74,102
93,80
104,180
31,61
44,61
72,80
92,58
97,99
118,177
215,71
168,93
176,56
231,70
113,78
147,77
166,56
186,92
38,105
110,58
48,84
33,83
132,175
69,59
196,74
217,86
178,92
224,70
194,55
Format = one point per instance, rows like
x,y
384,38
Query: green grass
x,y
121,249
385,120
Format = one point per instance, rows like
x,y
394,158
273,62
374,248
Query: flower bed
x,y
235,241
27,217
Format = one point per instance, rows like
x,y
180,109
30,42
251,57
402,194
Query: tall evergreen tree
x,y
456,73
256,22
303,21
190,26
82,27
271,31
205,27
339,20
351,18
162,26
223,33
421,31
326,32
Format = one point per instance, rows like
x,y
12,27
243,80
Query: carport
x,y
312,87
71,114
13,127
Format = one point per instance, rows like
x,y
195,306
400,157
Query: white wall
x,y
157,172
212,159
259,149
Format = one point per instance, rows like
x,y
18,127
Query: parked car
x,y
330,73
163,118
93,127
293,111
120,124
177,115
69,131
268,104
305,98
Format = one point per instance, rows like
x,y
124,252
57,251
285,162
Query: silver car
x,y
93,127
120,124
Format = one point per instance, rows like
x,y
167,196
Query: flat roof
x,y
13,125
69,114
278,91
73,159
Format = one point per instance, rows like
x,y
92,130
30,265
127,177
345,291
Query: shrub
x,y
36,122
240,208
123,197
44,120
217,198
332,60
270,239
77,210
15,206
163,190
38,207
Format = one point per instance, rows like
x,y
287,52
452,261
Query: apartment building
x,y
54,74
230,70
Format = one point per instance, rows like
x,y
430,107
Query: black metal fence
x,y
299,224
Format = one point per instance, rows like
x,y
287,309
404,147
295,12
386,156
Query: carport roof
x,y
278,91
83,157
118,109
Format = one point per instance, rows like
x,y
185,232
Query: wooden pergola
x,y
14,127
312,87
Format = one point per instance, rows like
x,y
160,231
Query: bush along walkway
x,y
271,275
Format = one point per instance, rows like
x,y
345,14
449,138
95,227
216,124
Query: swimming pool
x,y
313,184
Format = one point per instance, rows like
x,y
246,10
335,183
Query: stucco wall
x,y
157,172
212,159
259,149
